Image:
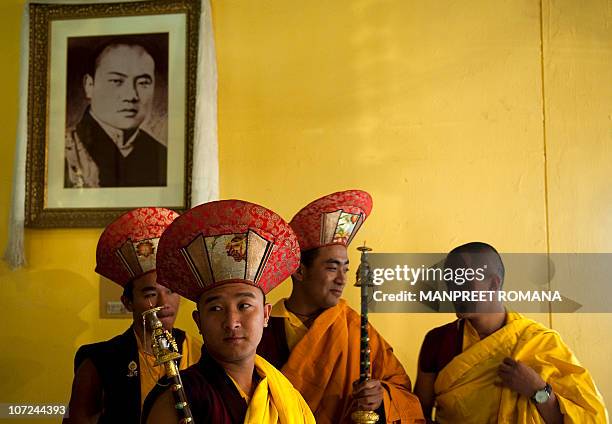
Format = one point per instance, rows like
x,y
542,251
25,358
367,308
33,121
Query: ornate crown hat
x,y
128,246
332,219
223,242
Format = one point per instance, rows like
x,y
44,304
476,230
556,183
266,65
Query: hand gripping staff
x,y
166,353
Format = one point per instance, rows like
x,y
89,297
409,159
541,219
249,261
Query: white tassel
x,y
14,254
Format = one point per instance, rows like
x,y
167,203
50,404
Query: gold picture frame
x,y
94,152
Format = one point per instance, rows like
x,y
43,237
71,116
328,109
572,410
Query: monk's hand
x,y
520,377
368,395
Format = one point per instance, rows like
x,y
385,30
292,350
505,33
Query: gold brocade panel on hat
x,y
339,227
138,257
218,258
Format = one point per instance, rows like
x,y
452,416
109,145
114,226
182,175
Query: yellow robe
x,y
324,364
468,390
275,400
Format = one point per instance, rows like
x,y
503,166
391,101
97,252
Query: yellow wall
x,y
578,71
437,109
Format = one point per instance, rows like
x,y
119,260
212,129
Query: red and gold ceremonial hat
x,y
332,219
227,241
127,247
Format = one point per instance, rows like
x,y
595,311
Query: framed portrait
x,y
111,107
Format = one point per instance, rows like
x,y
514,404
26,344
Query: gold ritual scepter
x,y
364,280
166,352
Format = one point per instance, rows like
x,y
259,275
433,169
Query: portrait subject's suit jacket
x,y
93,159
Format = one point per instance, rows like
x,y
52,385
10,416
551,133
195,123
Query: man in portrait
x,y
108,146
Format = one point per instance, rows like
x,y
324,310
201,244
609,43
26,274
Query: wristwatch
x,y
542,395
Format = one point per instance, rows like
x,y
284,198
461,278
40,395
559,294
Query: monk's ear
x,y
196,318
495,282
300,273
127,303
267,311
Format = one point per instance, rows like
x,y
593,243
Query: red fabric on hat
x,y
307,222
226,217
135,225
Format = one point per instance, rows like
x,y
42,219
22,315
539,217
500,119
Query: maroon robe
x,y
212,396
440,346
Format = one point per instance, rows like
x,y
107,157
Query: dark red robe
x,y
212,396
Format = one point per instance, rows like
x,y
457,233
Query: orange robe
x,y
324,364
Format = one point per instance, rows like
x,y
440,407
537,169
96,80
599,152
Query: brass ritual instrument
x,y
166,353
364,280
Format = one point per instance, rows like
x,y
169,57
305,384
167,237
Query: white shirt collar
x,y
124,146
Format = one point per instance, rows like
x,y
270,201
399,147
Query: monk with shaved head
x,y
494,365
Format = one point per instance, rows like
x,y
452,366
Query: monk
x,y
313,336
112,378
492,365
226,256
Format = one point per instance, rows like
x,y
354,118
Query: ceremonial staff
x,y
364,280
166,353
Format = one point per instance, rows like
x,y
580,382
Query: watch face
x,y
541,396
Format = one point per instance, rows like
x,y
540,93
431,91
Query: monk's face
x,y
322,283
487,281
231,319
147,294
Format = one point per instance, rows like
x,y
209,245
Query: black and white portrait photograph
x,y
112,92
116,111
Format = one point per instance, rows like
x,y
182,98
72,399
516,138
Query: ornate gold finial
x,y
164,346
364,267
365,417
364,248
